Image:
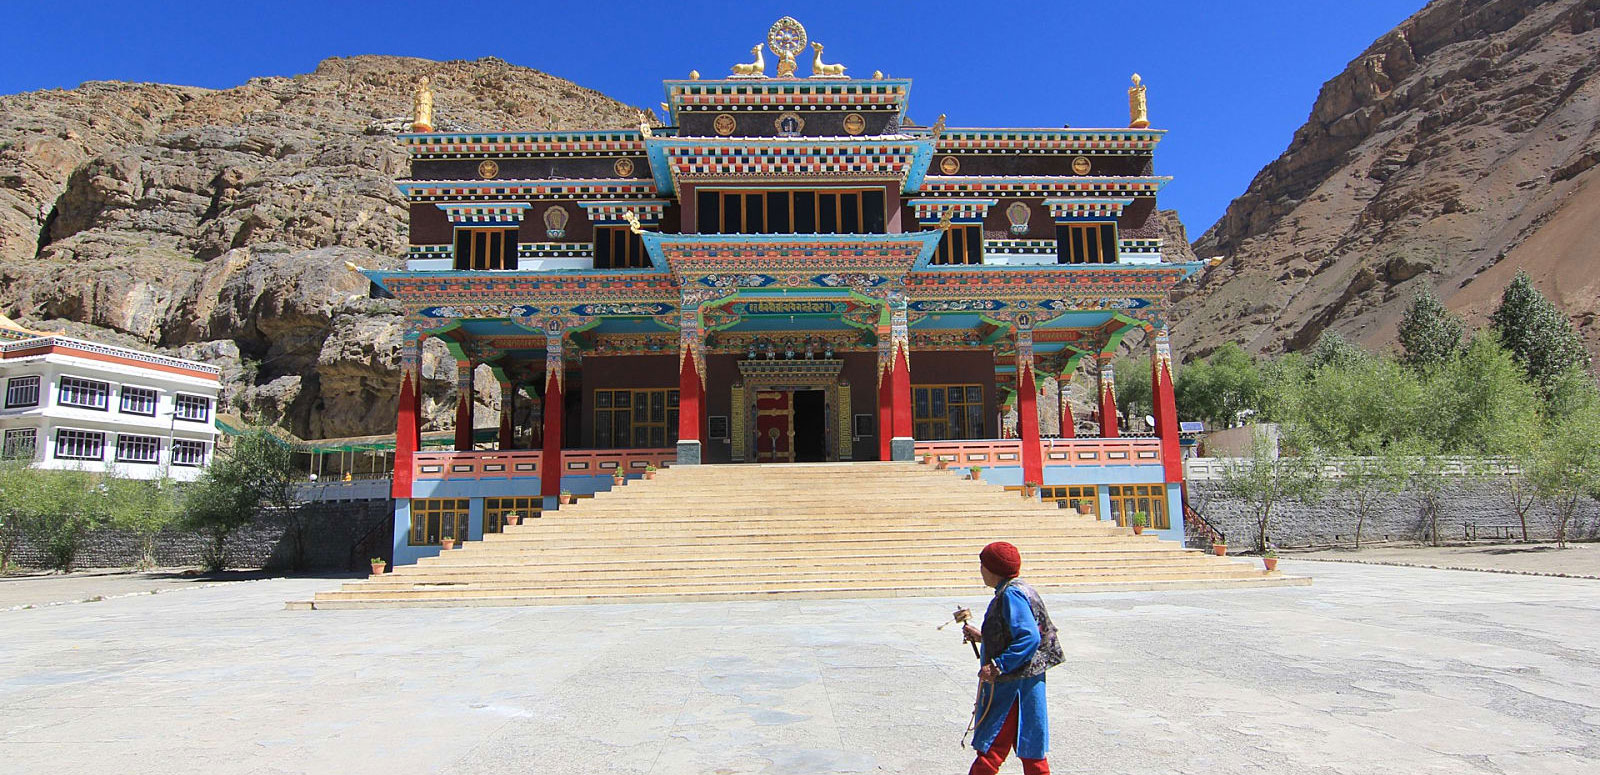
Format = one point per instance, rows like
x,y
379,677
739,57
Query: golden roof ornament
x,y
1138,109
644,126
938,126
422,108
756,69
877,75
633,221
944,219
786,38
820,70
694,75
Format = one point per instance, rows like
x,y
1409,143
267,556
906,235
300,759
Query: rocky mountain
x,y
1457,148
216,223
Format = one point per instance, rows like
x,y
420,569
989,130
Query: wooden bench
x,y
1501,531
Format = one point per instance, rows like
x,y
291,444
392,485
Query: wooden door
x,y
774,427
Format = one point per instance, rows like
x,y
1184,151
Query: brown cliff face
x,y
217,223
1456,149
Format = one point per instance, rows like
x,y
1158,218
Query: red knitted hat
x,y
1002,559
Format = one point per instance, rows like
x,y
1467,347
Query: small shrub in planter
x,y
568,498
1220,549
940,463
619,478
649,472
378,566
927,459
1269,558
1030,489
447,543
1138,522
975,472
513,519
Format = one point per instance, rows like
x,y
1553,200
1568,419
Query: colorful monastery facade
x,y
789,270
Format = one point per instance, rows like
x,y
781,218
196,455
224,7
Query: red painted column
x,y
406,423
902,445
464,401
1108,397
1028,425
885,413
900,388
1069,428
550,466
1166,408
688,400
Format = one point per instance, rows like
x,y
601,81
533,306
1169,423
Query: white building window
x,y
22,391
86,393
196,408
188,453
21,443
137,400
137,449
80,445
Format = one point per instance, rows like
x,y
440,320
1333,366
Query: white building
x,y
75,404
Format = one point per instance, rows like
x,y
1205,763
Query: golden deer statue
x,y
820,70
756,69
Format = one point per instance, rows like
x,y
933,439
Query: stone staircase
x,y
831,530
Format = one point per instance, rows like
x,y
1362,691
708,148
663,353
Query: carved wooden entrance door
x,y
774,427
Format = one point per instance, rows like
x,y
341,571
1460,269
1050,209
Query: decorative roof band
x,y
610,213
1086,207
477,213
501,190
961,210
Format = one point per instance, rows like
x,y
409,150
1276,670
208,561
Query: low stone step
x,y
520,575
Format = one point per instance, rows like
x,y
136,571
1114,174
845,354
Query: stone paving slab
x,y
1577,559
1372,670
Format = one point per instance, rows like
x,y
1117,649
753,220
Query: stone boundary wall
x,y
1330,521
330,533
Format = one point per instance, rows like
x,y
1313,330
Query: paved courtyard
x,y
1373,669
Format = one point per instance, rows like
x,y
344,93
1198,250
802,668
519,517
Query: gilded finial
x,y
664,107
694,75
422,108
877,75
938,126
644,126
633,221
1138,108
786,38
944,218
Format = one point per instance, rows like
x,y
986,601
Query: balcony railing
x,y
1054,452
492,464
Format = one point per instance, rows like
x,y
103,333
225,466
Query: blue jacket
x,y
1012,613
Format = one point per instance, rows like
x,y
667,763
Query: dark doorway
x,y
810,426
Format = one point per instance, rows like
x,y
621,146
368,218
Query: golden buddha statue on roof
x,y
1138,109
422,108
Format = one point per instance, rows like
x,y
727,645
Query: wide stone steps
x,y
798,531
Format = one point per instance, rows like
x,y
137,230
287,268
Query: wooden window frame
x,y
1070,495
488,248
427,520
1088,242
929,421
1126,499
495,510
843,205
637,398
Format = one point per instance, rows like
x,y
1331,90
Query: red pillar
x,y
1108,399
1166,408
885,414
405,432
1028,426
688,400
464,400
1069,429
550,462
900,389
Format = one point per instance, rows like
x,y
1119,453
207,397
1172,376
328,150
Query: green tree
x,y
1133,386
1481,404
1267,479
143,508
1430,335
257,472
1332,349
1536,332
1220,388
1566,467
1367,480
1425,477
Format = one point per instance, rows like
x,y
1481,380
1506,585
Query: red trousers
x,y
989,763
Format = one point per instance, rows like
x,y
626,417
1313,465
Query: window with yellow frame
x,y
638,419
433,519
943,412
496,510
1130,499
1083,498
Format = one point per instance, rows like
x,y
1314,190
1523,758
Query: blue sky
x,y
1231,80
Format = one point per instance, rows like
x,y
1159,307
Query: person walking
x,y
1018,645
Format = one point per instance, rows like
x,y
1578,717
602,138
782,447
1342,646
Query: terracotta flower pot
x,y
572,500
377,568
1138,530
447,543
1220,549
941,464
1270,562
649,474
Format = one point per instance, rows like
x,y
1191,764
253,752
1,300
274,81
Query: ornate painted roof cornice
x,y
765,94
512,144
999,140
897,158
526,190
1063,185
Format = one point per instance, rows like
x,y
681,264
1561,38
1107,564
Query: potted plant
x,y
650,472
1138,521
974,472
1269,558
567,498
378,566
618,478
940,463
447,543
513,518
1220,548
1030,489
927,459
1084,507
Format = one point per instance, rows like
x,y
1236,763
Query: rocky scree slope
x,y
1459,147
215,224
